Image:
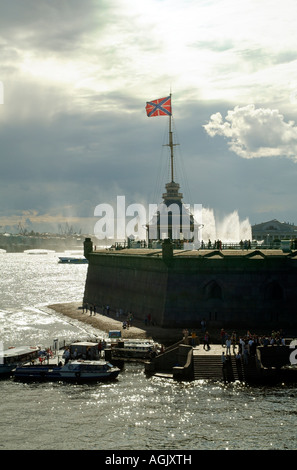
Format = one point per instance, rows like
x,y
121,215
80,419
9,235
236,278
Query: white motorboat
x,y
134,348
72,371
38,251
14,356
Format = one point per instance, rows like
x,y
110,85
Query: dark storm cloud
x,y
70,157
75,161
56,25
73,128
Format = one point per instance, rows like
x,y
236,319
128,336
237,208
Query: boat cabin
x,y
84,350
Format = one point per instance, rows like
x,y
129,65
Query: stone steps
x,y
207,367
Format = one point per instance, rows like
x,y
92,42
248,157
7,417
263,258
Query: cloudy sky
x,y
76,76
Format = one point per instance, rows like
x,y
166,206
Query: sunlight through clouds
x,y
76,76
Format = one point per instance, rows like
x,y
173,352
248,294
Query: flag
x,y
160,107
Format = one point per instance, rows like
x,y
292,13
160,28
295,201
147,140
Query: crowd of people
x,y
218,245
192,338
242,346
93,309
245,346
251,340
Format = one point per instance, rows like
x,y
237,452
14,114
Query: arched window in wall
x,y
213,290
274,291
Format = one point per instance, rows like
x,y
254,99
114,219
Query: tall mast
x,y
171,149
171,145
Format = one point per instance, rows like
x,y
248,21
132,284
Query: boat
x,y
14,356
73,260
134,349
38,251
131,348
84,350
72,371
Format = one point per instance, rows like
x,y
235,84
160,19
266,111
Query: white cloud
x,y
255,132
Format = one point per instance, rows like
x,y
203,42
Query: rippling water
x,y
133,413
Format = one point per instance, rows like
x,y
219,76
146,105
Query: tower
x,y
173,219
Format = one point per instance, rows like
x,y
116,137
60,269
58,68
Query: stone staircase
x,y
181,362
207,367
237,368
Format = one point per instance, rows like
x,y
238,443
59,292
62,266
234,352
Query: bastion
x,y
179,288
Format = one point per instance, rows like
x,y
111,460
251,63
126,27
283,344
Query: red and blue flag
x,y
160,107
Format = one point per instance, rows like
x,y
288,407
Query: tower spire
x,y
171,145
172,207
171,150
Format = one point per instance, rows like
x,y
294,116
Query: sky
x,y
75,77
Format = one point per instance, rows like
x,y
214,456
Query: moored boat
x,y
73,260
72,371
134,349
38,251
14,356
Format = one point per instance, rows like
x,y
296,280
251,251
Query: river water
x,y
133,413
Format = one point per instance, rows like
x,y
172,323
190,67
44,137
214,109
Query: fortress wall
x,y
132,283
232,291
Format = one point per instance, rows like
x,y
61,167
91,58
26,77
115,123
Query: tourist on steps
x,y
228,345
206,341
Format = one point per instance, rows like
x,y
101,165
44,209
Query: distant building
x,y
274,230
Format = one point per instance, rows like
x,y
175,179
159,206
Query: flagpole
x,y
171,144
